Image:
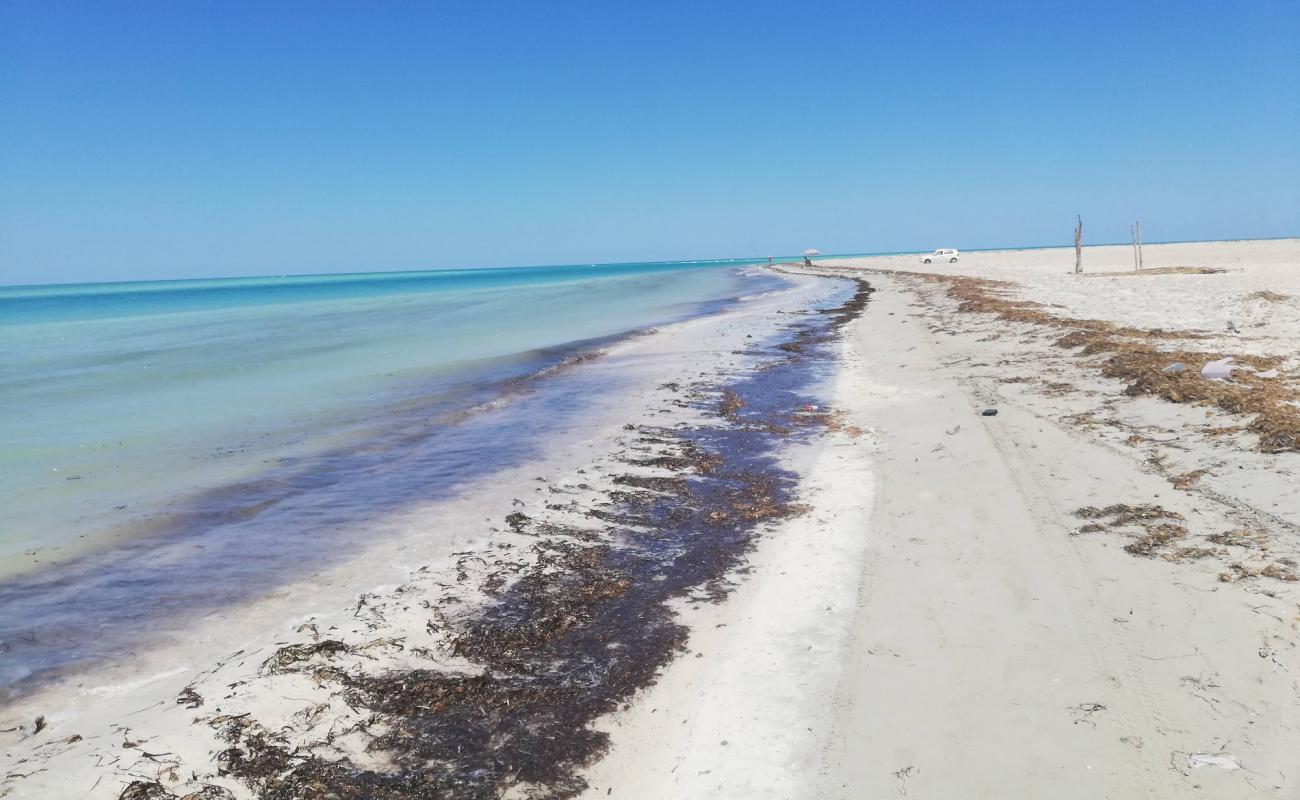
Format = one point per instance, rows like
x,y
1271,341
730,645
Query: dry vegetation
x,y
1187,480
1154,532
1141,365
834,420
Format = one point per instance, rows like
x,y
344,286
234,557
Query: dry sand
x,y
942,628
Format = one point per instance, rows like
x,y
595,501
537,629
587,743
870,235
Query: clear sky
x,y
187,139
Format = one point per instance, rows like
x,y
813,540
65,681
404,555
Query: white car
x,y
940,255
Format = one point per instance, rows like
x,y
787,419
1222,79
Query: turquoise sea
x,y
145,424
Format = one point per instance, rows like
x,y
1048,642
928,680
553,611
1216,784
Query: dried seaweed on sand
x,y
1152,530
1274,403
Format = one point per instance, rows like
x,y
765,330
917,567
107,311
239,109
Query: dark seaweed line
x,y
580,628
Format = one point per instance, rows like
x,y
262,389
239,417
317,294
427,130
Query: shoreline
x,y
302,508
267,678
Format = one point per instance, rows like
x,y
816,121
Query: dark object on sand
x,y
287,659
517,521
141,790
152,790
989,412
189,698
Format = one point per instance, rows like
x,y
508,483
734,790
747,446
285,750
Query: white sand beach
x,y
954,634
1090,594
465,401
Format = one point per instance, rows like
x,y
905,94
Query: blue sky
x,y
185,139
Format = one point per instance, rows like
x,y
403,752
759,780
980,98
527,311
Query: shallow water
x,y
160,431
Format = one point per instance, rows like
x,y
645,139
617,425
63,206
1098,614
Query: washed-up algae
x,y
1272,403
1154,532
579,630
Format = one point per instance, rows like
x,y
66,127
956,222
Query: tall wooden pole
x,y
1078,246
1141,264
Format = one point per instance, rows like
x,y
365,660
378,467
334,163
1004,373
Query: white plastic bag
x,y
1220,370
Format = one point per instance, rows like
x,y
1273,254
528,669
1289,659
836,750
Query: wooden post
x,y
1138,225
1078,247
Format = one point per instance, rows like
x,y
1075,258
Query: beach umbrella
x,y
812,252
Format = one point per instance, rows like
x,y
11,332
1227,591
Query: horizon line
x,y
742,259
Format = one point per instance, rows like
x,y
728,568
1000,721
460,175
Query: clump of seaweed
x,y
153,790
752,497
1269,296
1156,541
731,404
834,420
1185,481
1153,533
1125,514
557,593
1275,570
670,463
1156,536
292,658
518,521
145,790
801,342
189,698
1241,537
653,483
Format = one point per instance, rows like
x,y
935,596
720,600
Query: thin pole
x,y
1078,246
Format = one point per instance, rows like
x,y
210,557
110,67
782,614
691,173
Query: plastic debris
x,y
1220,370
989,412
1175,368
1271,373
1220,760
